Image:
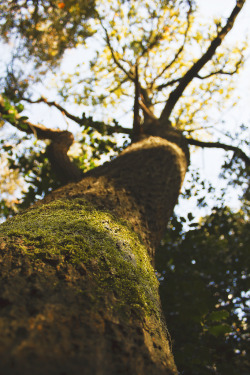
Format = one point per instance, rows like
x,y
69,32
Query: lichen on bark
x,y
67,266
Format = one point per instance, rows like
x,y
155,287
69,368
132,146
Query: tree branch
x,y
88,121
137,128
154,38
76,119
177,53
61,140
221,71
199,64
146,104
146,111
169,83
223,146
124,80
128,74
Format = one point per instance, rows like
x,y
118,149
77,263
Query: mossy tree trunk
x,y
78,292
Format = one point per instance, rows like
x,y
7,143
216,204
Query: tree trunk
x,y
78,292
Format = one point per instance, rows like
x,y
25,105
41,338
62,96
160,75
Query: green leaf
x,y
20,107
23,126
218,316
220,330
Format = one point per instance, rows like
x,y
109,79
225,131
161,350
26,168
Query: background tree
x,y
158,63
208,265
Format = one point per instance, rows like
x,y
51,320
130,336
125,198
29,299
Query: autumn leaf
x,y
61,5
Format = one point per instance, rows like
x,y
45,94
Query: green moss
x,y
73,231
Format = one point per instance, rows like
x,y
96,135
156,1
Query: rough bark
x,y
78,293
141,186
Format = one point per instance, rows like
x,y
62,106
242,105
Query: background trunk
x,y
78,292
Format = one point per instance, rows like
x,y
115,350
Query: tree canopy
x,y
136,67
153,58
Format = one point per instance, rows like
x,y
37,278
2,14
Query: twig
x,y
177,53
223,146
128,74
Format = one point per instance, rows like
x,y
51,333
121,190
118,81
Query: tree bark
x,y
78,291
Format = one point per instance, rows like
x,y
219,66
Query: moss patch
x,y
74,232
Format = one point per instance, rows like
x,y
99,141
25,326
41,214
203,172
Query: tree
x,y
79,292
208,265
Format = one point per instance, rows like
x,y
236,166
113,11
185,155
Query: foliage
x,y
26,171
233,171
10,182
204,289
27,175
45,29
162,38
33,166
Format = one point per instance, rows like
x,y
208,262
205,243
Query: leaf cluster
x,y
45,29
26,159
238,175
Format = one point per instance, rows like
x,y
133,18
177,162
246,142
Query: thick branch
x,y
137,128
61,140
198,65
146,104
141,98
223,146
147,113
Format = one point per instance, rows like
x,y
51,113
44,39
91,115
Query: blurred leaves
x,y
204,274
26,173
45,29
